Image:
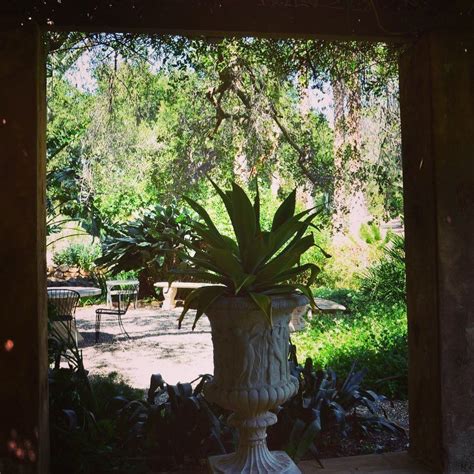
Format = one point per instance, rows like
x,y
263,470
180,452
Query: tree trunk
x,y
305,193
349,202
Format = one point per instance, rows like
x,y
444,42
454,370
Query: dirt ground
x,y
156,345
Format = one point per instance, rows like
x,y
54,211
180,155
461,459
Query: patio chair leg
x,y
122,326
97,327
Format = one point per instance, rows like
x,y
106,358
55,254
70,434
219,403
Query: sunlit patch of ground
x,y
156,345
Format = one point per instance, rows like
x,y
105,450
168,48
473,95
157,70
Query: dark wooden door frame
x,y
274,18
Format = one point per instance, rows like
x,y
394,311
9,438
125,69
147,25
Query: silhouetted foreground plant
x,y
174,427
322,406
101,425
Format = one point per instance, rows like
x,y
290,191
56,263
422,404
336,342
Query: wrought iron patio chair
x,y
64,303
127,295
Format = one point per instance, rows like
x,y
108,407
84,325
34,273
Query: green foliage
x,y
68,196
148,125
348,260
258,262
370,233
375,336
325,405
175,426
318,254
384,281
78,255
149,245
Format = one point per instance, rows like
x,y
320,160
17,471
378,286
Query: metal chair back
x,y
64,301
127,294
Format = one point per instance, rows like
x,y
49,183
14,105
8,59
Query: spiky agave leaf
x,y
259,263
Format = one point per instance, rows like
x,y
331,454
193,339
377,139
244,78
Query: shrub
x,y
149,245
370,233
349,259
78,255
384,282
375,336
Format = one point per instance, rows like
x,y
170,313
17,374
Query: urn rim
x,y
280,302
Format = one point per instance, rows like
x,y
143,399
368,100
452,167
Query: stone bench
x,y
169,291
297,322
328,306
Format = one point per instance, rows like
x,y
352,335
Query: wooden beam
x,y
437,113
23,332
328,19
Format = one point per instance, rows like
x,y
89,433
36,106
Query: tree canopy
x,y
158,113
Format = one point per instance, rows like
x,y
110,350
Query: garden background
x,y
137,122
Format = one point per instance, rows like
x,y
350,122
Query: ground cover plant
x,y
373,331
375,336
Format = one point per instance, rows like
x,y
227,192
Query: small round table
x,y
83,291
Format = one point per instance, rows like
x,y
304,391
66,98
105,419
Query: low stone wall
x,y
63,275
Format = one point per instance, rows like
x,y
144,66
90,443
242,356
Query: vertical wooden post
x,y
23,326
437,110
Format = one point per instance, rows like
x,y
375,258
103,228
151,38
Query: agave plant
x,y
258,263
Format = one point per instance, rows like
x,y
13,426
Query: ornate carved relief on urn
x,y
251,377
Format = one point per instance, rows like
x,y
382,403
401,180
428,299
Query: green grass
x,y
375,336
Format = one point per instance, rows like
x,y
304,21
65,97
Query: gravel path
x,y
156,345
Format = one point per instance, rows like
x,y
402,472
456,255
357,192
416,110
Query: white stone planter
x,y
252,376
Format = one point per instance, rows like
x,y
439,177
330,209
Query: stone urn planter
x,y
251,377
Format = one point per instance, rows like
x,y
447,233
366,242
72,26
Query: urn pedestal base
x,y
227,464
253,455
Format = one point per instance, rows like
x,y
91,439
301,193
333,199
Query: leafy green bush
x,y
384,282
150,245
375,336
370,234
348,259
78,255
